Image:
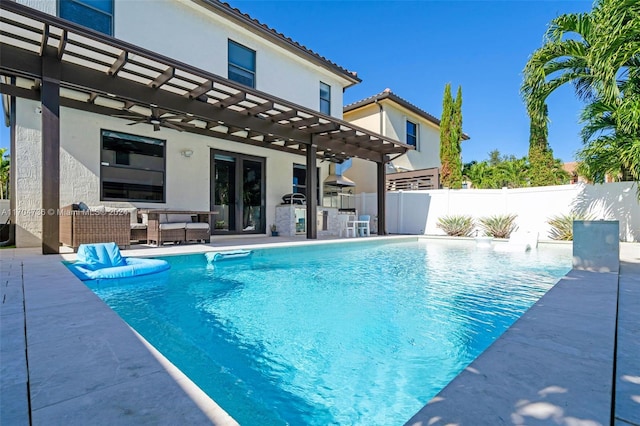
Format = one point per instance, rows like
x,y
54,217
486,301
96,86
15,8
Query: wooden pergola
x,y
59,63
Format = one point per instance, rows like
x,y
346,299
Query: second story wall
x,y
394,125
188,32
427,152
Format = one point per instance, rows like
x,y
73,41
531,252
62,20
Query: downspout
x,y
381,223
381,115
382,126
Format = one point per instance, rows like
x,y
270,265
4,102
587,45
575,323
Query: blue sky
x,y
416,47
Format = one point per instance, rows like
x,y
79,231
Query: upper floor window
x,y
242,64
412,133
132,168
94,14
325,98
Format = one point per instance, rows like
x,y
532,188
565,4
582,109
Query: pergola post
x,y
382,197
50,99
311,193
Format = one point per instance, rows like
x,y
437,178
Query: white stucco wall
x,y
28,174
187,179
182,30
417,212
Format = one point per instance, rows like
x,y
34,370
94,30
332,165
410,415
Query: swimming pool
x,y
360,333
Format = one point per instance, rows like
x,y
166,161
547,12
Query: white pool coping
x,y
86,366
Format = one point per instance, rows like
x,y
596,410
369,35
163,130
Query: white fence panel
x,y
417,212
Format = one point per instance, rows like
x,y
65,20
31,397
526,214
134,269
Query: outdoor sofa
x,y
87,225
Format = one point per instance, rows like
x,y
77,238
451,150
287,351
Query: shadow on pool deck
x,y
86,366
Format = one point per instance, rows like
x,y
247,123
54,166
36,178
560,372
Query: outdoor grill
x,y
294,199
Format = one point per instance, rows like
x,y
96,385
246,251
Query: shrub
x,y
562,225
499,226
456,226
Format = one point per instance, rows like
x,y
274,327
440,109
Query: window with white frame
x,y
412,134
132,168
242,64
325,98
94,14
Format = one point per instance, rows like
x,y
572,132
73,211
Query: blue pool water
x,y
349,334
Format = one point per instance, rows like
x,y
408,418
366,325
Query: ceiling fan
x,y
158,118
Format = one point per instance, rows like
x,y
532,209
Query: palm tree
x,y
608,150
599,52
481,175
514,173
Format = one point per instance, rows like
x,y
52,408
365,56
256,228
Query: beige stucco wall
x,y
393,123
182,30
187,179
427,152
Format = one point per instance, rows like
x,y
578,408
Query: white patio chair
x,y
363,225
346,225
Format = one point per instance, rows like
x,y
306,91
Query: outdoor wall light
x,y
186,153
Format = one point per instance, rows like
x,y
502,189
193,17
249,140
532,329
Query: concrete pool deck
x,y
66,358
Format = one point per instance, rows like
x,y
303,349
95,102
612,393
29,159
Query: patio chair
x,y
346,225
363,225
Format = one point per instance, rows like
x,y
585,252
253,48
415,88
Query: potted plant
x,y
274,230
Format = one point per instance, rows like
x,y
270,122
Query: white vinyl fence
x,y
417,212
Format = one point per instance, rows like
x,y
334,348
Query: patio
x,y
68,359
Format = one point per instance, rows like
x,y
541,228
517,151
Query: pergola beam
x,y
118,64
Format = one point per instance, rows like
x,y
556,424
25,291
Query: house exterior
x,y
202,108
395,117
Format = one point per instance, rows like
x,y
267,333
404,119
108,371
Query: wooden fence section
x,y
413,180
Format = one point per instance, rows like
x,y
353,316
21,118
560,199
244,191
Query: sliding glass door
x,y
237,193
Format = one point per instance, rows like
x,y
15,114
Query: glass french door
x,y
237,193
